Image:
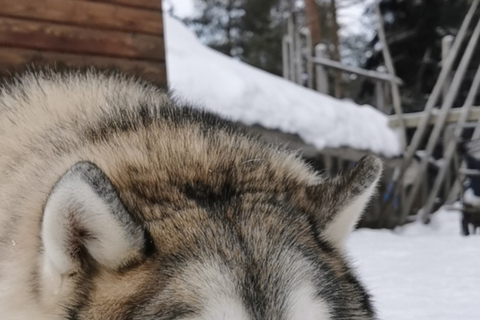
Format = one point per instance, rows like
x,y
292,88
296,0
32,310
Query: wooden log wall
x,y
120,34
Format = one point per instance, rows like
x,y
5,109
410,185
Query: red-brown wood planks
x,y
149,4
12,59
54,37
85,13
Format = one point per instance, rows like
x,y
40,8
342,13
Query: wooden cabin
x,y
119,34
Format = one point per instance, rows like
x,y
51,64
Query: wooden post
x,y
447,43
291,47
448,135
379,97
424,190
403,197
379,92
327,159
314,36
285,58
335,51
388,101
310,66
397,103
321,74
298,58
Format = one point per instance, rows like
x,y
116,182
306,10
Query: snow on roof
x,y
240,92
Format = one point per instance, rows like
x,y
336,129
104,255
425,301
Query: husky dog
x,y
118,203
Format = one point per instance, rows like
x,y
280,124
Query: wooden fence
x,y
409,188
450,91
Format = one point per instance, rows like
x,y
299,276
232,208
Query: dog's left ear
x,y
340,201
85,223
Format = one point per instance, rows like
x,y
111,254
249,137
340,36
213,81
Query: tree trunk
x,y
313,22
335,53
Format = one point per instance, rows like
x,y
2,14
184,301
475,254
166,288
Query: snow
x,y
243,93
470,198
427,272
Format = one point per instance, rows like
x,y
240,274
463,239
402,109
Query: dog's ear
x,y
340,201
85,223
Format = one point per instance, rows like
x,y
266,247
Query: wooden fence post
x,y
286,57
321,74
291,48
310,66
380,92
298,58
387,57
447,43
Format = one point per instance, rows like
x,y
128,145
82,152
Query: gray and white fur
x,y
117,202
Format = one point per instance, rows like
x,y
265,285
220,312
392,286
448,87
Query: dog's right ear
x,y
85,224
338,202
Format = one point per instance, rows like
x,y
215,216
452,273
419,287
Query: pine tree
x,y
313,21
249,30
335,48
219,24
262,36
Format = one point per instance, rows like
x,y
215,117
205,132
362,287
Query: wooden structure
x,y
415,185
119,34
301,67
450,92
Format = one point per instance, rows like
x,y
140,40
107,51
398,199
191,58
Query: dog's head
x,y
228,248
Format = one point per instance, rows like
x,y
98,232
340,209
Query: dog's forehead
x,y
249,226
220,292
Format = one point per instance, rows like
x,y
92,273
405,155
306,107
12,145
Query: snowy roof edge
x,y
242,93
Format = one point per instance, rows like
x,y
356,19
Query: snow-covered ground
x,y
249,95
421,272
